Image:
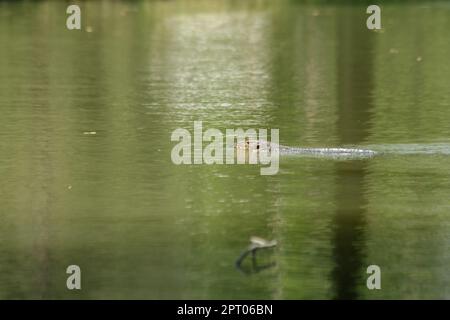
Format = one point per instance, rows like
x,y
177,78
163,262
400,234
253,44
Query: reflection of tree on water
x,y
354,88
349,226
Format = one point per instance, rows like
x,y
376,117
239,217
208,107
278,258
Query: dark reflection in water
x,y
255,265
355,84
349,224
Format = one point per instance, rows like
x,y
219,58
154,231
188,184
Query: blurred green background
x,y
141,227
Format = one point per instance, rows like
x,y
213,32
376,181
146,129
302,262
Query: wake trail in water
x,y
367,151
348,152
411,148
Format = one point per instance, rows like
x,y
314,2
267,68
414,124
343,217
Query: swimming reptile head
x,y
253,144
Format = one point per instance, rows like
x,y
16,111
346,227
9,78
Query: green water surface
x,y
141,227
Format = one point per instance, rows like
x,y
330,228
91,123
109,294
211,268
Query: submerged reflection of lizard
x,y
256,243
